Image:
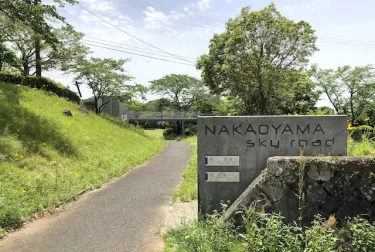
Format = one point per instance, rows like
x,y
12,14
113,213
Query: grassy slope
x,y
46,158
156,133
188,190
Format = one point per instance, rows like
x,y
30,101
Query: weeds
x,y
267,233
188,190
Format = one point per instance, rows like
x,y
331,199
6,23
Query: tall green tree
x,y
180,88
58,56
107,81
350,90
258,58
34,14
37,16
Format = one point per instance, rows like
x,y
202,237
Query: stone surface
x,y
255,138
67,113
344,188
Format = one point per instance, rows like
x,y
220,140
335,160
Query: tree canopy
x,y
181,89
106,78
258,58
350,90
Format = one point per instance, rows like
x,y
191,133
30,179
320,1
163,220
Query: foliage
x,y
350,90
230,106
183,90
47,158
188,190
106,79
363,131
258,59
157,105
304,98
7,58
207,234
34,15
40,83
267,232
321,111
60,55
362,235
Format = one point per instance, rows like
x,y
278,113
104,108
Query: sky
x,y
180,31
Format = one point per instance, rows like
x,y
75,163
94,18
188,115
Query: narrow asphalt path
x,y
124,215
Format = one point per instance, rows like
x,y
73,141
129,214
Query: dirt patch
x,y
180,213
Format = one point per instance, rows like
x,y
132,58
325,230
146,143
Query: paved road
x,y
125,215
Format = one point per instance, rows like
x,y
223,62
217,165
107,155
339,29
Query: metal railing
x,y
163,115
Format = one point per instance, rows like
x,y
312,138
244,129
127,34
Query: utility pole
x,y
79,90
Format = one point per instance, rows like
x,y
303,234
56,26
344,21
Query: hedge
x,y
40,83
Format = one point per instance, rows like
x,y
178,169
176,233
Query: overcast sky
x,y
185,27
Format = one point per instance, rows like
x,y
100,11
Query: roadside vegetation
x,y
47,158
262,232
188,190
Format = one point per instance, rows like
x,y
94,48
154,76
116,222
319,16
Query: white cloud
x,y
159,20
99,5
204,4
310,6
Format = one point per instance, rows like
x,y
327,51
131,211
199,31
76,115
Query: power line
x,y
144,42
142,3
134,48
182,17
142,55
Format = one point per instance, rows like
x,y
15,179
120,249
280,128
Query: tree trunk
x,y
96,106
38,59
352,108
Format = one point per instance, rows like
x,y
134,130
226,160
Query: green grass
x,y
188,190
156,133
47,158
360,148
262,232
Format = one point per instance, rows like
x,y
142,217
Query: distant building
x,y
114,108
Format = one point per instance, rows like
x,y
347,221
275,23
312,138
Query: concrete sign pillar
x,y
232,151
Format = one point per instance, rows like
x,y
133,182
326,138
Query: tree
x,y
34,15
181,89
303,99
348,89
359,82
7,58
159,105
61,55
326,80
106,79
258,58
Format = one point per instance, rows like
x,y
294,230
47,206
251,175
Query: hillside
x,y
47,158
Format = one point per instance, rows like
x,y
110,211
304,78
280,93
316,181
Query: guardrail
x,y
132,115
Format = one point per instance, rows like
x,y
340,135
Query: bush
x,y
40,83
363,130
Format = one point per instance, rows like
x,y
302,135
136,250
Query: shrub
x,y
363,130
40,83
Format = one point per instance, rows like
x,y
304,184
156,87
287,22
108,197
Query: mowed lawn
x,y
46,158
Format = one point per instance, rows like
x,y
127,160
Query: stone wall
x,y
307,186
